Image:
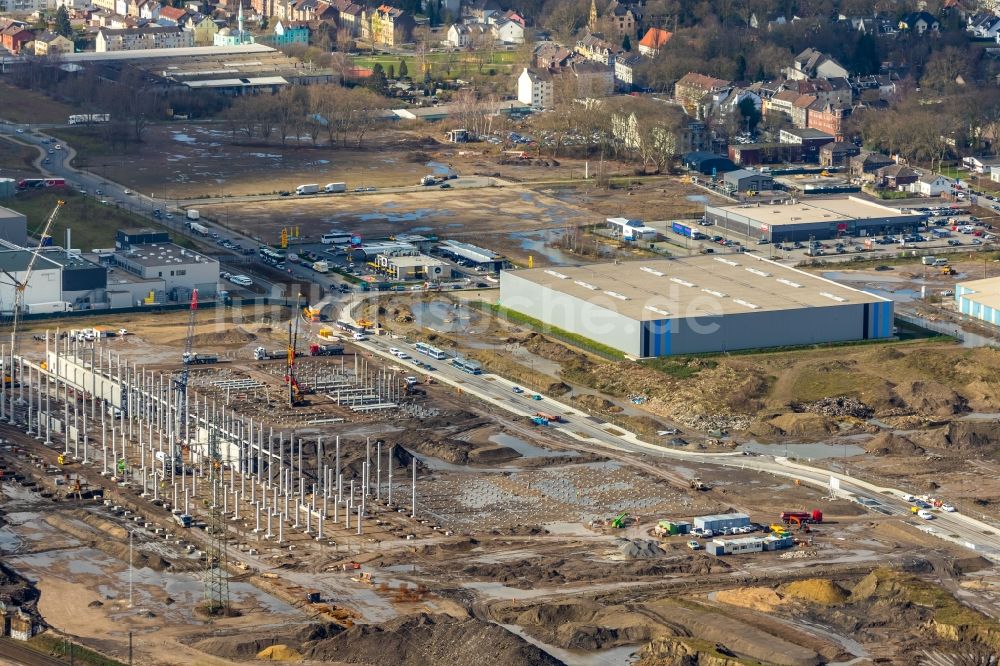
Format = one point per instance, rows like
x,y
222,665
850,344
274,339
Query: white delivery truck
x,y
193,214
332,188
311,188
321,267
199,229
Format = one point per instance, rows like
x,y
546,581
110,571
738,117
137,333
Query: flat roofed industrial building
x,y
979,299
696,304
818,218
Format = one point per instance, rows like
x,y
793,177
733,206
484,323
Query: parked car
x,y
694,545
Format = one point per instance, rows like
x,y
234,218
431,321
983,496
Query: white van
x,y
360,336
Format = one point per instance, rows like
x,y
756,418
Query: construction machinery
x,y
200,359
698,484
619,520
814,516
325,350
181,384
20,286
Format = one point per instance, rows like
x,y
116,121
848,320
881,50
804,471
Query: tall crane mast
x,y
181,382
20,286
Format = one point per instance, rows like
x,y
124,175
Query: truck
x,y
325,350
192,214
311,188
85,118
428,180
182,519
194,358
554,418
928,260
687,231
48,308
199,229
263,354
321,267
334,188
814,516
28,183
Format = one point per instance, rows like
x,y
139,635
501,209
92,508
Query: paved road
x,y
967,531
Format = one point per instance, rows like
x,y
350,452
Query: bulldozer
x,y
698,484
947,270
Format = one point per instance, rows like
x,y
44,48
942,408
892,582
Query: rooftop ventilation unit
x,y
832,297
717,294
585,285
556,274
651,270
752,306
683,282
657,310
759,272
727,261
790,283
615,294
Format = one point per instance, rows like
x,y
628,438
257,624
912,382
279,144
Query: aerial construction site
x,y
221,486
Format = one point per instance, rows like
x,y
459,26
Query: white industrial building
x,y
413,267
979,299
696,304
151,256
45,285
631,230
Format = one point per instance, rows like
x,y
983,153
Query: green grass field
x,y
93,224
27,106
16,159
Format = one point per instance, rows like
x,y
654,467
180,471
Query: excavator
x,y
619,520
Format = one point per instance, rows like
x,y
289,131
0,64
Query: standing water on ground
x,y
814,451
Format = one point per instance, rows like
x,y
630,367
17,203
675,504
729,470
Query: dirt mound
x,y
526,574
596,403
932,398
803,425
639,548
684,652
233,336
973,435
429,639
758,598
838,406
887,443
280,652
817,590
556,614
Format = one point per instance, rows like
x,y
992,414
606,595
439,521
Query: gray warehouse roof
x,y
816,210
695,286
163,254
14,261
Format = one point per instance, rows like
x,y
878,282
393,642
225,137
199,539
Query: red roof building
x,y
654,40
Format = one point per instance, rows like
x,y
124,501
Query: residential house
x,y
782,101
150,10
510,15
389,26
508,31
593,47
592,79
351,18
483,10
866,163
171,16
50,43
813,64
800,110
837,153
919,23
14,38
981,165
549,55
692,88
736,97
534,87
296,10
995,175
205,29
827,117
654,40
132,7
289,32
875,86
896,176
625,72
619,20
461,36
148,37
931,184
984,26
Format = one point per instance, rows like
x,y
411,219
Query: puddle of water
x,y
528,450
421,230
184,138
901,296
814,451
439,168
855,277
9,542
698,198
535,242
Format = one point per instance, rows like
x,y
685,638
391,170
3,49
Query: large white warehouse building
x,y
696,304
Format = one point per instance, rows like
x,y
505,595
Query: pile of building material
x,y
838,406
